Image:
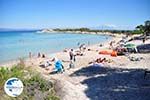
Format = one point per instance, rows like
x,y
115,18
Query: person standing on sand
x,y
72,58
144,39
72,55
111,44
82,47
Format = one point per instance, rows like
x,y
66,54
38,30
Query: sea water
x,y
17,44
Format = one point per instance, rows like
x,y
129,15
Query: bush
x,y
34,84
6,73
137,32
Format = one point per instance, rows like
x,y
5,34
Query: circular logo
x,y
13,87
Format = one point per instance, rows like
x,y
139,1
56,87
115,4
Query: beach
x,y
119,61
121,70
75,50
90,55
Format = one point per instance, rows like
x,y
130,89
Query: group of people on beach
x,y
59,67
58,64
72,57
39,55
72,54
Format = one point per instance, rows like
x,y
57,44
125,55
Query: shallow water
x,y
14,45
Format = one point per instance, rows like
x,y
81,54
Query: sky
x,y
37,14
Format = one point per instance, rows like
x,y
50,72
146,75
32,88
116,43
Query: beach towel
x,y
109,52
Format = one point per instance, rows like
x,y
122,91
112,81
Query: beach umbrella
x,y
130,45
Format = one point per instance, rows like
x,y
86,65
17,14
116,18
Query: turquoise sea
x,y
16,44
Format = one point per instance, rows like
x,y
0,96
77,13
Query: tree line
x,y
92,30
140,29
143,29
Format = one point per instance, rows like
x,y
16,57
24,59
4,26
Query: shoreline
x,y
26,59
65,56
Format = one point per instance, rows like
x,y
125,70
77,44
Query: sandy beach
x,y
98,81
75,50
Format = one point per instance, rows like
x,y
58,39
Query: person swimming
x,y
43,56
30,55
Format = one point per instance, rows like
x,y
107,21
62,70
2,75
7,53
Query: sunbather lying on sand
x,y
79,53
45,64
101,60
135,58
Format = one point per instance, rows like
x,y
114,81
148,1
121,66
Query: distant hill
x,y
104,27
112,27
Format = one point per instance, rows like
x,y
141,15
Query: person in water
x,y
30,55
43,55
39,55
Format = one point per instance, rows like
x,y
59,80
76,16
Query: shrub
x,y
32,85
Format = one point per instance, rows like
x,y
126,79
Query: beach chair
x,y
145,73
